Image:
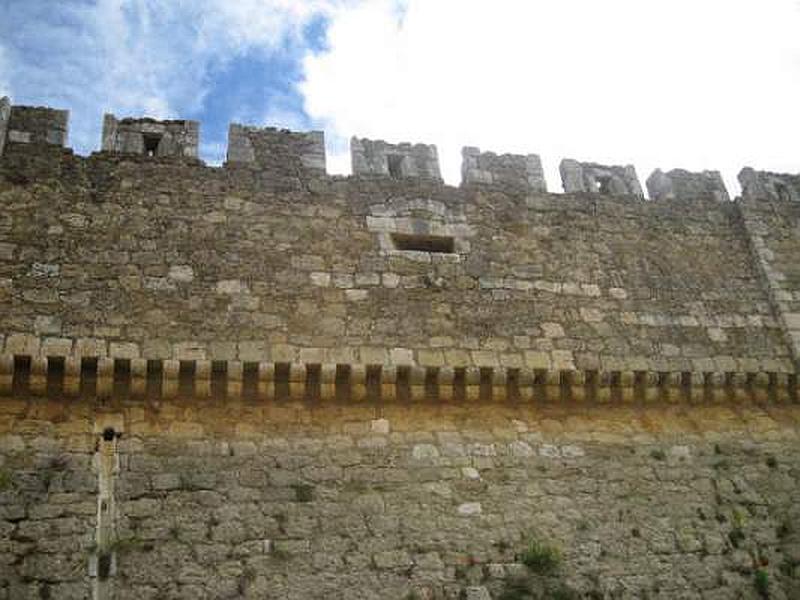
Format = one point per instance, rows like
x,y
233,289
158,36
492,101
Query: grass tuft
x,y
541,558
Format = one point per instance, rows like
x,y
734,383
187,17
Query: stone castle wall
x,y
142,258
259,380
290,500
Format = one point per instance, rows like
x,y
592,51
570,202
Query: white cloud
x,y
666,83
139,57
261,23
157,52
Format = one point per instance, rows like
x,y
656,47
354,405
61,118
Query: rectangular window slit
x,y
423,243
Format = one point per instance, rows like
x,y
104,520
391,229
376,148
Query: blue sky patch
x,y
203,61
249,89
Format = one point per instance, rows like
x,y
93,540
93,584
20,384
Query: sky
x,y
694,84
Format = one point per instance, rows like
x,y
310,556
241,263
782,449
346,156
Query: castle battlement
x,y
292,157
376,157
32,124
277,153
513,172
679,183
149,137
766,185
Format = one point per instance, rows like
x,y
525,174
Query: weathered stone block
x,y
683,185
537,360
401,356
285,353
171,369
424,452
277,153
37,125
222,351
320,279
20,137
253,351
514,173
563,360
125,350
376,157
155,348
520,449
477,593
552,330
90,347
390,280
470,509
371,355
430,358
181,273
7,251
484,358
56,346
189,351
105,367
22,344
764,185
47,324
392,559
44,270
380,426
231,286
